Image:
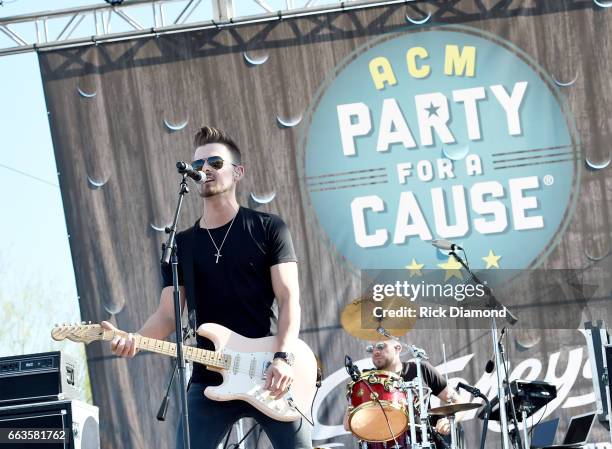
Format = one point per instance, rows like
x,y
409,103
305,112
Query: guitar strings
x,y
172,353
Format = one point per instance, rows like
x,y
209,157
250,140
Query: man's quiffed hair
x,y
209,134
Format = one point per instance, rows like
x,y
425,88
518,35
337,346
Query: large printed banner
x,y
428,134
372,132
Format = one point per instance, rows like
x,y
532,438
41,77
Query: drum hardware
x,y
453,426
449,411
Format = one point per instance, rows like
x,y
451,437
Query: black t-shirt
x,y
236,292
431,377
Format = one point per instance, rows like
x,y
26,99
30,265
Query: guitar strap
x,y
187,264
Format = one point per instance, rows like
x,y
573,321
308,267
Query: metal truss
x,y
145,18
89,25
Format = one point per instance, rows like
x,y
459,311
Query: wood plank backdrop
x,y
118,138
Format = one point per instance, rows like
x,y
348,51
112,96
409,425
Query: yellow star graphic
x,y
453,268
415,268
492,260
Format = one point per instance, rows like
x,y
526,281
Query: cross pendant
x,y
217,255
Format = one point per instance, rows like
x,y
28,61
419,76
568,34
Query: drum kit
x,y
386,411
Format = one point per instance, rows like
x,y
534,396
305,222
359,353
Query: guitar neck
x,y
197,355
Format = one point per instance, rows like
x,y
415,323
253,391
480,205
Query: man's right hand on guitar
x,y
123,347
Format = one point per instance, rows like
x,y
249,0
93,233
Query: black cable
x,y
227,437
318,384
292,404
237,445
538,423
312,403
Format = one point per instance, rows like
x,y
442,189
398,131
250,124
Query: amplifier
x,y
77,421
40,377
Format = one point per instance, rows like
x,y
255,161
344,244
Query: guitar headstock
x,y
82,333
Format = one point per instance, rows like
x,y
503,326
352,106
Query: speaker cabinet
x,y
81,421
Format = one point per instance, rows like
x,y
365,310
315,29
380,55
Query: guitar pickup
x,y
236,366
252,368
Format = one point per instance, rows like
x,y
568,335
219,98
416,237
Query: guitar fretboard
x,y
198,355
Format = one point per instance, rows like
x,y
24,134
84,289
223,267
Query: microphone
x,y
351,368
472,390
186,169
445,245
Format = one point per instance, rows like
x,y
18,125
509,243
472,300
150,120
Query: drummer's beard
x,y
382,363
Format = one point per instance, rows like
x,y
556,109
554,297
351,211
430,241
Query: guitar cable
x,y
318,385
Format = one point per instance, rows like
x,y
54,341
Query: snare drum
x,y
374,392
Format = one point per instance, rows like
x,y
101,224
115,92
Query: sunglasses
x,y
215,162
378,346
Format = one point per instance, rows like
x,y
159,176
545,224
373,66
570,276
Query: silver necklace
x,y
218,248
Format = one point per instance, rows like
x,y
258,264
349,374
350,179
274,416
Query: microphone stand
x,y
516,434
493,302
163,408
487,411
169,255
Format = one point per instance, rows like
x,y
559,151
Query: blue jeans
x,y
210,421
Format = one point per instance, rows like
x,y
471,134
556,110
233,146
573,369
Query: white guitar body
x,y
242,362
246,377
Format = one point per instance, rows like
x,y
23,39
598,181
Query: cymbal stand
x,y
420,355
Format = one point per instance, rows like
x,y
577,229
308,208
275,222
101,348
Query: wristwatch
x,y
287,357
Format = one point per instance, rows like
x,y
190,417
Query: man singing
x,y
233,263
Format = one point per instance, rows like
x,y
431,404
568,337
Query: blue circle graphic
x,y
445,132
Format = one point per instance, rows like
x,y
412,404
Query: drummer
x,y
386,357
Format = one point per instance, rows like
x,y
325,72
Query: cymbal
x,y
451,409
351,319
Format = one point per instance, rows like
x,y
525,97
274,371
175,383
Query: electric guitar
x,y
242,362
